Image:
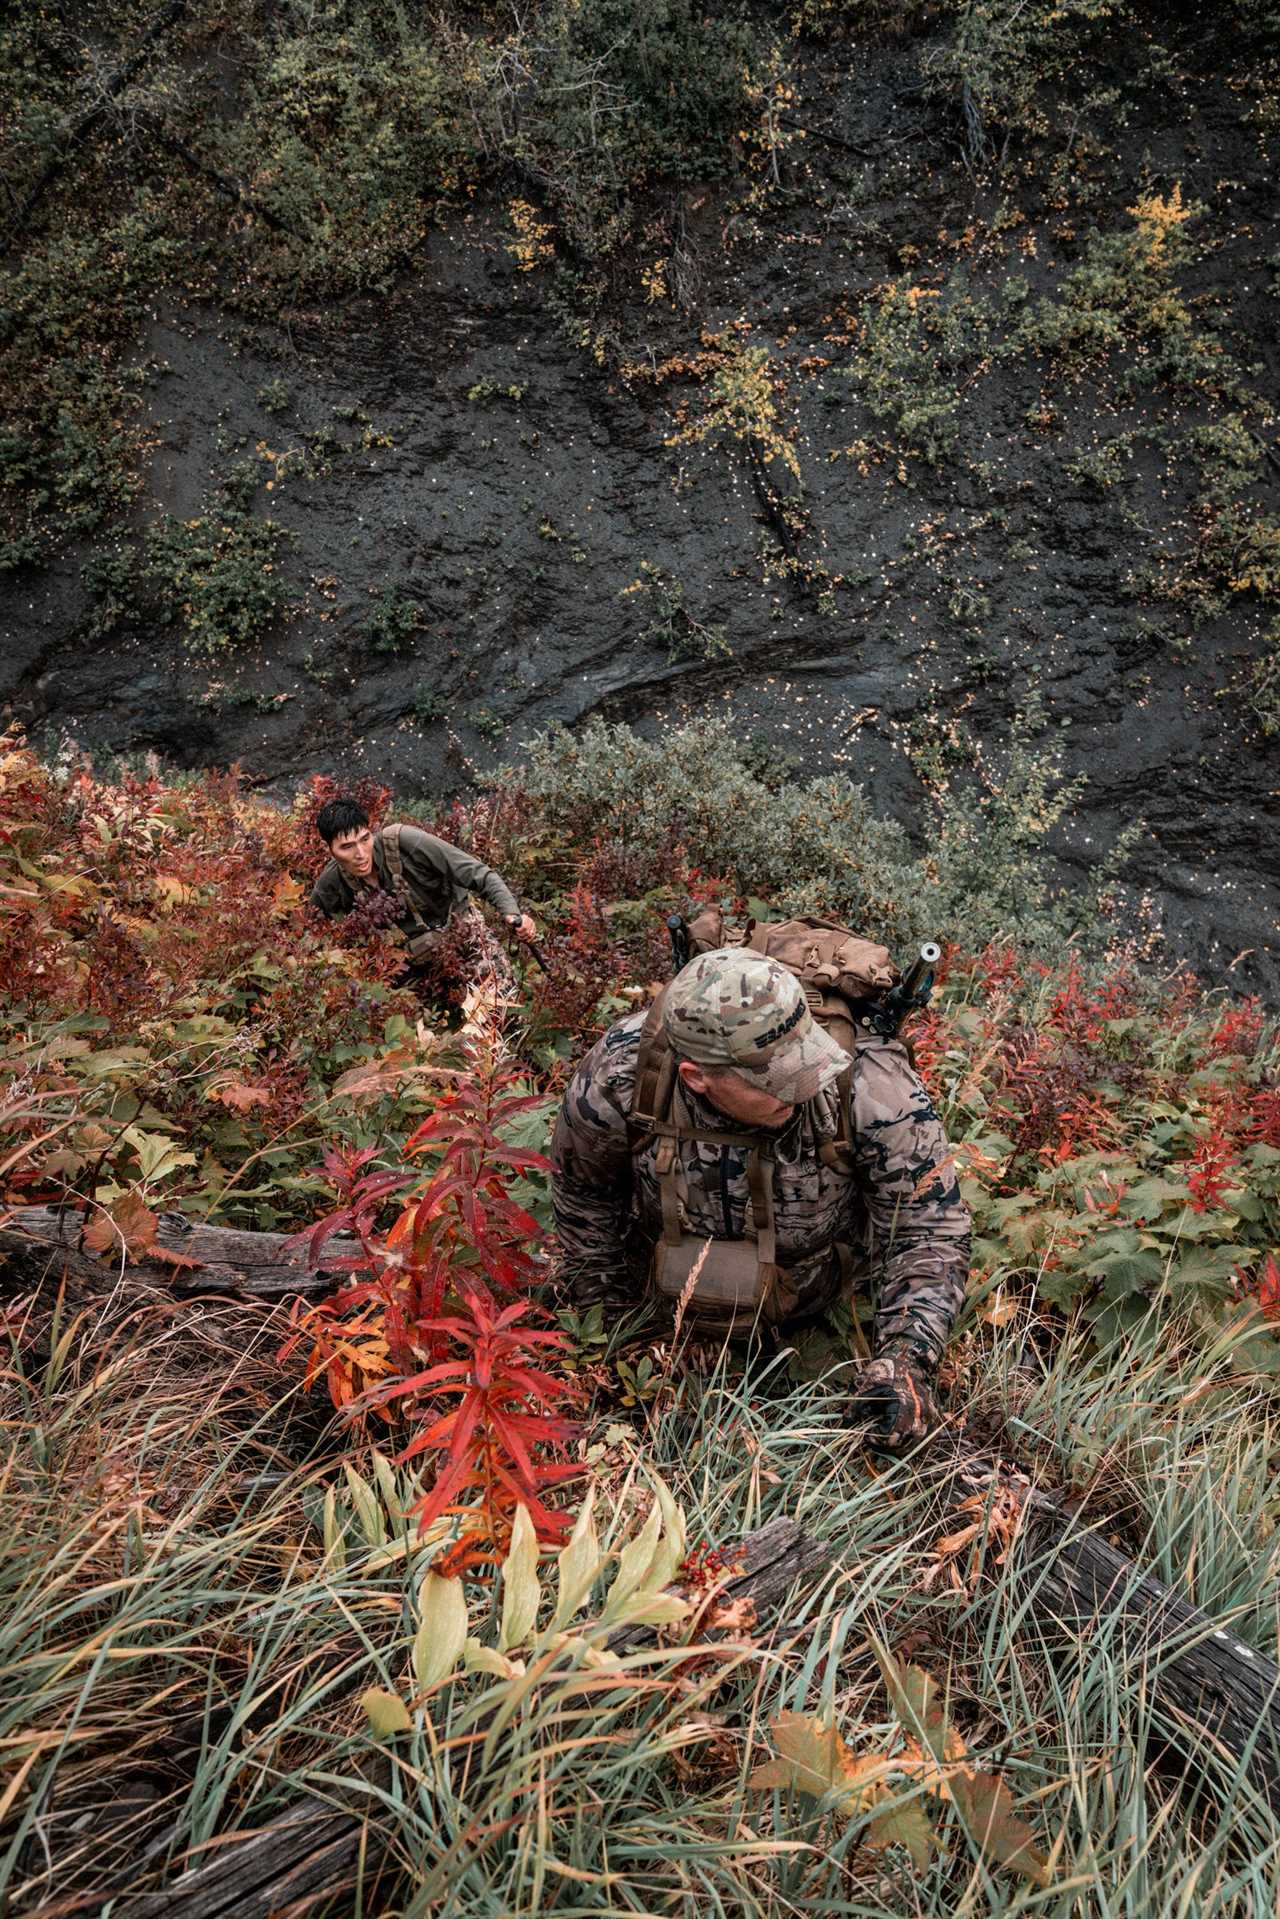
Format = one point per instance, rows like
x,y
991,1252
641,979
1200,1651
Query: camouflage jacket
x,y
897,1207
438,877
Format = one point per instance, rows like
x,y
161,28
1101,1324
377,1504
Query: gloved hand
x,y
895,1394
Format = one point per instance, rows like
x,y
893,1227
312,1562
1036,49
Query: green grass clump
x,y
203,1634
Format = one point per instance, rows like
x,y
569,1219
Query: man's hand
x,y
895,1394
522,926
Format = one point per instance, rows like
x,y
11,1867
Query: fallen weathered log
x,y
43,1242
1201,1675
1202,1678
307,1856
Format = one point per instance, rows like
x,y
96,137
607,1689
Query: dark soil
x,y
514,520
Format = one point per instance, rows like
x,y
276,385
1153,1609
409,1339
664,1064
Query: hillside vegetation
x,y
223,1606
381,387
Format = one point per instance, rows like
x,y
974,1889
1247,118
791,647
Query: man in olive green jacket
x,y
425,878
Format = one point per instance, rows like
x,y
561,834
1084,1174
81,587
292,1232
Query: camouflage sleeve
x,y
591,1168
919,1222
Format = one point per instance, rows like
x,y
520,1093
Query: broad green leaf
x,y
442,1629
579,1564
335,1545
388,1485
480,1658
651,1609
1126,1273
1061,1287
386,1712
634,1562
368,1508
1147,1198
670,1550
520,1589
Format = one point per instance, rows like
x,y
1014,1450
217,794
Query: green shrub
x,y
1124,293
217,576
670,624
916,351
817,846
362,118
1000,54
351,128
1266,683
1237,545
67,306
393,622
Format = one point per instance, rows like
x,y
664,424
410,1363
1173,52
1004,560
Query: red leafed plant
x,y
435,1324
1211,1175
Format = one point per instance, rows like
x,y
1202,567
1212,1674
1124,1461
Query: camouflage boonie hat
x,y
744,1013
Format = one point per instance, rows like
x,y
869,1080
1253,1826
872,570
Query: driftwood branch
x,y
44,1242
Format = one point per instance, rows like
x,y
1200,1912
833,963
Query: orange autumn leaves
x,y
899,1793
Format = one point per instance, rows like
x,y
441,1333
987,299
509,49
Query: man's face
x,y
354,852
736,1095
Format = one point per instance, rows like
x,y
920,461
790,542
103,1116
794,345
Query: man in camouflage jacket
x,y
751,1058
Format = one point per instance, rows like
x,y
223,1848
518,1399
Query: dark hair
x,y
338,817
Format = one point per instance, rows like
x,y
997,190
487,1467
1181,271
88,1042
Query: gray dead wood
x,y
1201,1676
40,1243
1078,1585
306,1856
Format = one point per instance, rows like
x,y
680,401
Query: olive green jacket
x,y
437,877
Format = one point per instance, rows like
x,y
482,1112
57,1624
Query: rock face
x,y
500,516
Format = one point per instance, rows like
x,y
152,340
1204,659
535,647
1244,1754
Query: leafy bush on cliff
x,y
71,426
360,120
694,795
217,577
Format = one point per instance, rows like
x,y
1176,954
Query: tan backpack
x,y
835,967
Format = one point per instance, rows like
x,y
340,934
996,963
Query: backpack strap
x,y
390,841
655,1080
760,1186
419,937
838,1152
